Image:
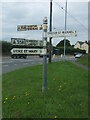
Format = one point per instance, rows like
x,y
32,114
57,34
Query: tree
x,y
6,47
61,43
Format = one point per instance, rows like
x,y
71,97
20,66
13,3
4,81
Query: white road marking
x,y
25,63
6,62
17,61
39,62
5,65
21,60
32,63
15,64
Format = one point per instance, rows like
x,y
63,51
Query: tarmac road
x,y
9,64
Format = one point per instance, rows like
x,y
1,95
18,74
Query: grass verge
x,y
66,96
84,60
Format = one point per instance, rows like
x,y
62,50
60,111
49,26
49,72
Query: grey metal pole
x,y
44,84
65,29
50,40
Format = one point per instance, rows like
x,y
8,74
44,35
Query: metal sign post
x,y
65,29
50,39
44,84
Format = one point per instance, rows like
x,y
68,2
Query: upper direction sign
x,y
27,42
62,34
29,27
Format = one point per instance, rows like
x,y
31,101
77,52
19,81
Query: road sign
x,y
17,41
29,27
29,51
62,34
27,42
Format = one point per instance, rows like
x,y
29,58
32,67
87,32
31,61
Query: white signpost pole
x,y
44,83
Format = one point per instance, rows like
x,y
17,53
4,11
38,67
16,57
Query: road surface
x,y
9,64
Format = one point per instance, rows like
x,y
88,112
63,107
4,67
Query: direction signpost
x,y
17,41
43,51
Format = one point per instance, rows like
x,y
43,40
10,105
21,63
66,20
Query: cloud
x,y
43,0
21,14
27,13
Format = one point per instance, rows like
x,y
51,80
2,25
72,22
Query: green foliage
x,y
0,48
69,50
66,96
61,43
6,47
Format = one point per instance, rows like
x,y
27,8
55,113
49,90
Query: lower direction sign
x,y
27,42
29,51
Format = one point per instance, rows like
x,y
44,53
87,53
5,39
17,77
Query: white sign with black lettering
x,y
29,51
62,34
27,42
29,27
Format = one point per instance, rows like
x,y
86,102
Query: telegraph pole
x,y
50,40
65,29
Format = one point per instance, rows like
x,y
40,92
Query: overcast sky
x,y
27,13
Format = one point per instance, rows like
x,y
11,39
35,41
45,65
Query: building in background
x,y
82,46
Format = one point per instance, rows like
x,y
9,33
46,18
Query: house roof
x,y
81,42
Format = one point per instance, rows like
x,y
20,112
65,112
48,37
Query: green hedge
x,y
69,50
6,47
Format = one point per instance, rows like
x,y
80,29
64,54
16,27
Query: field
x,y
66,95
